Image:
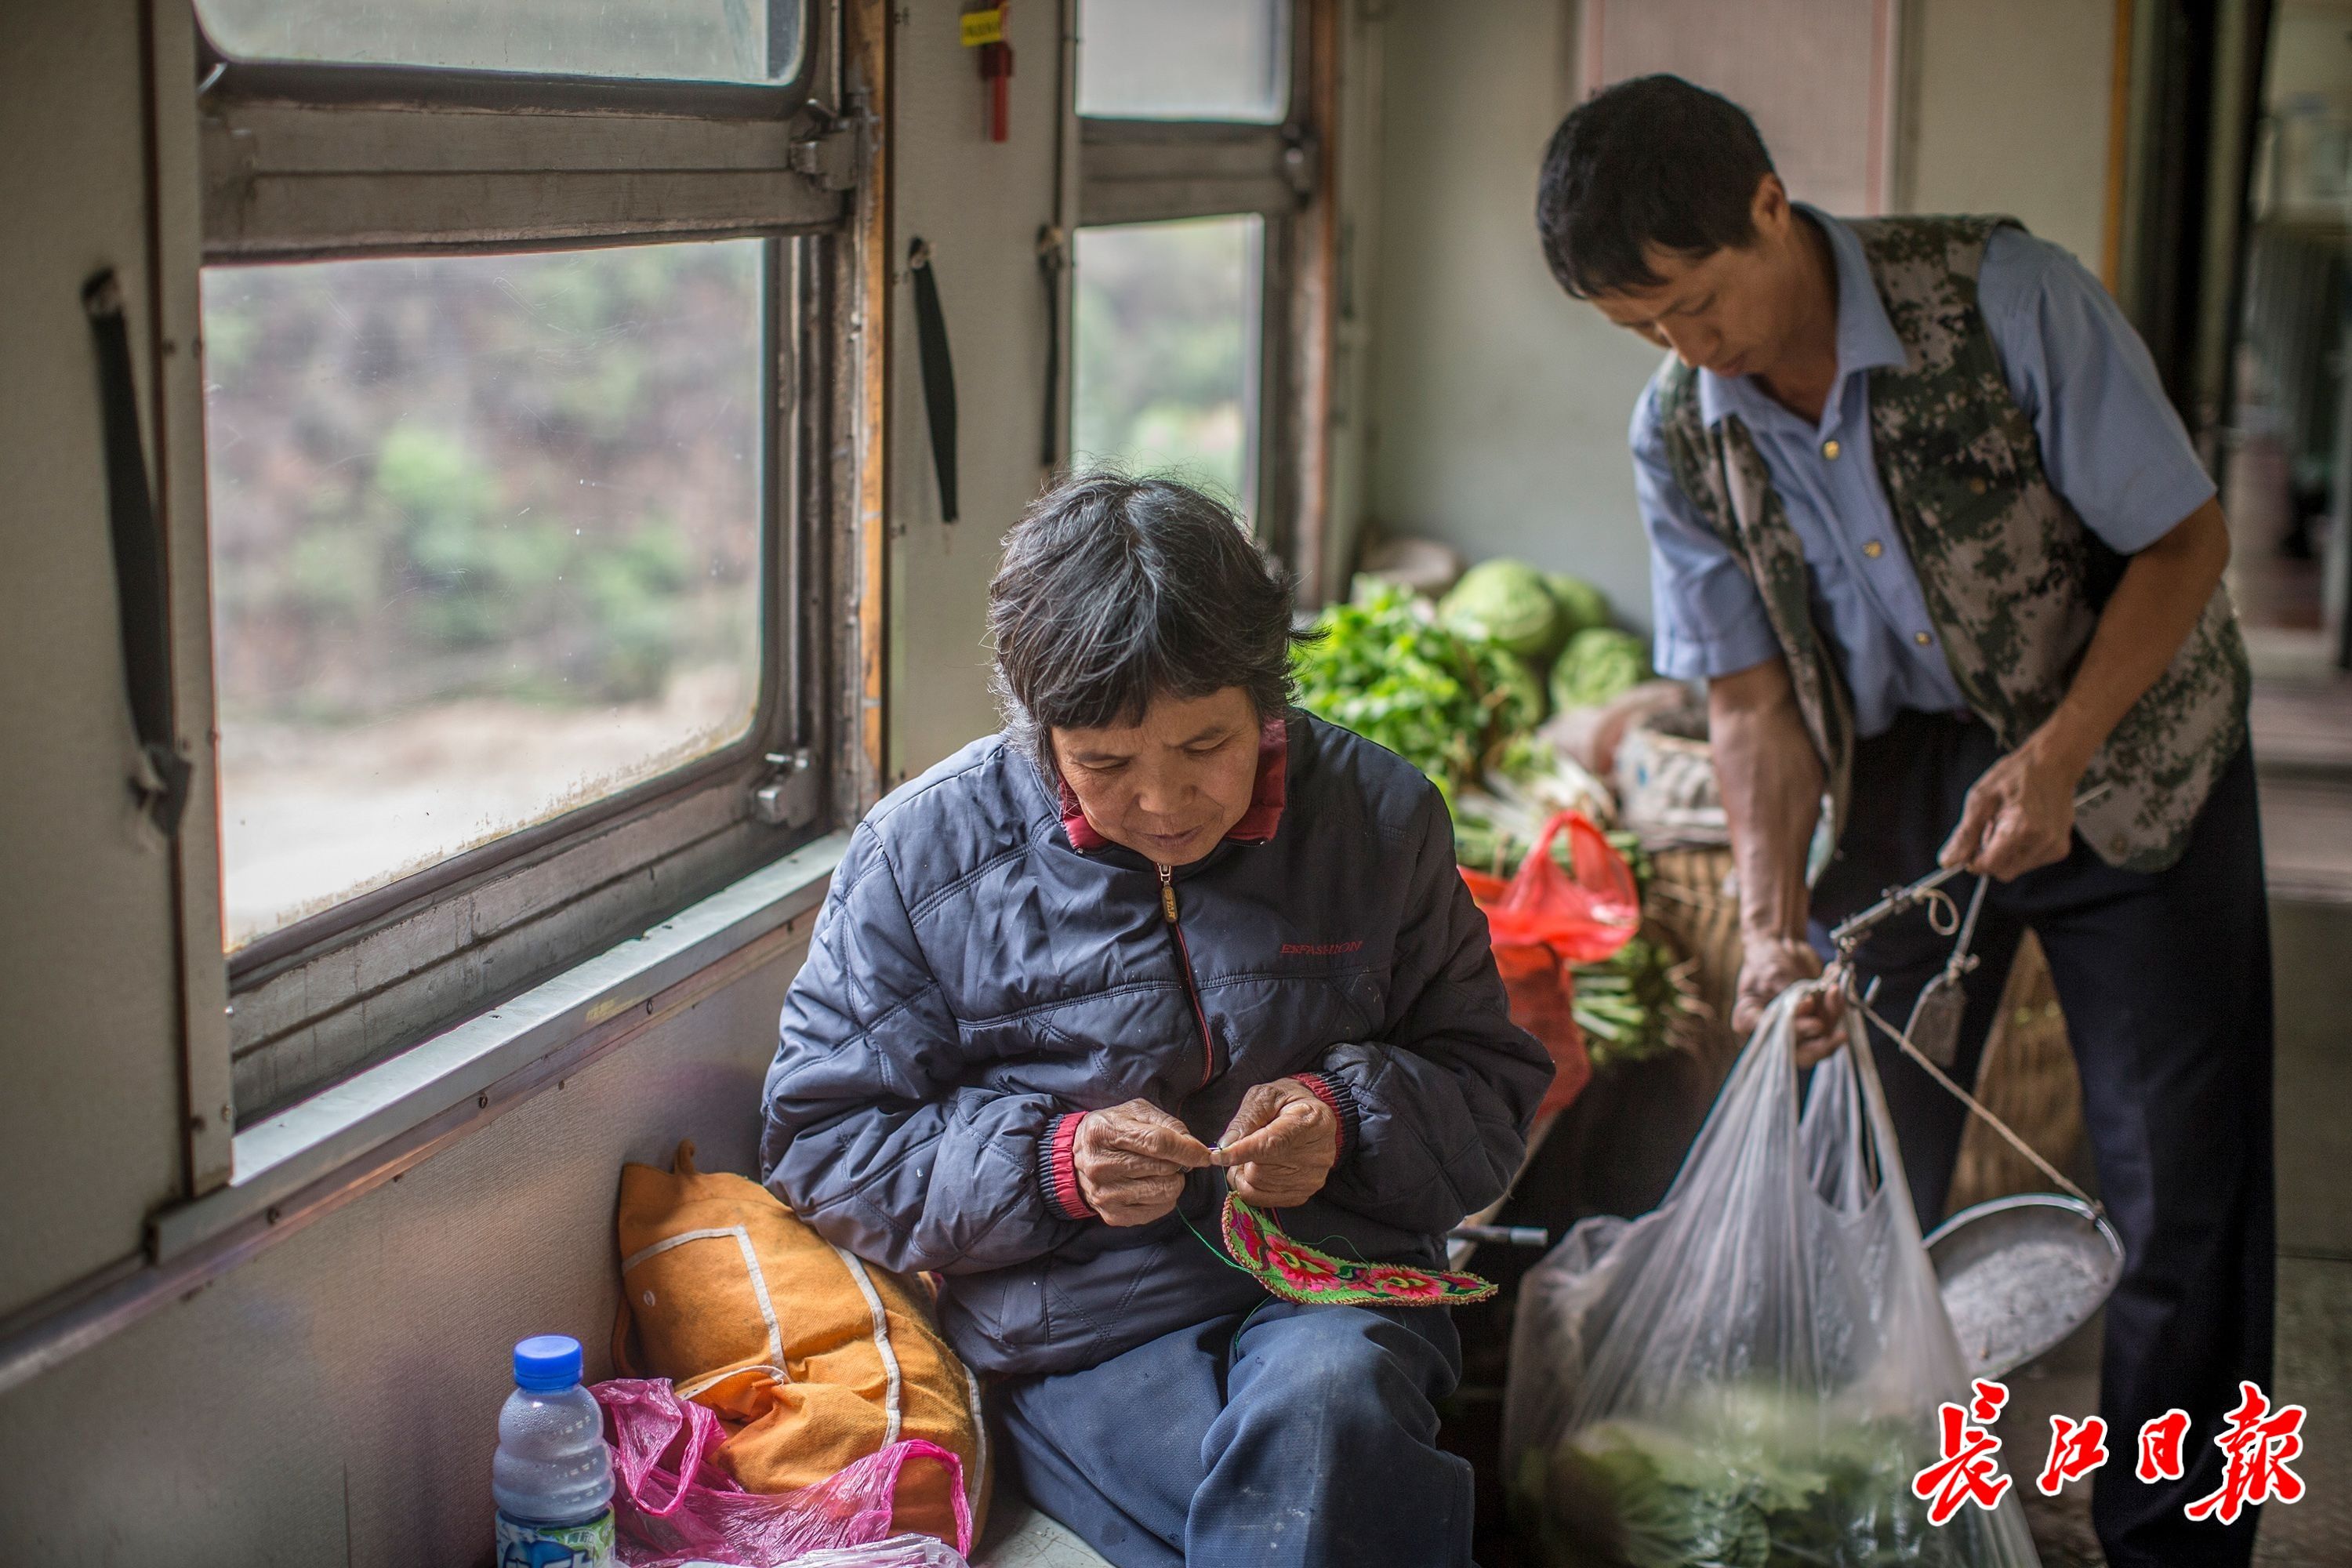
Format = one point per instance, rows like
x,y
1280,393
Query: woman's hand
x,y
1770,965
1130,1161
1281,1146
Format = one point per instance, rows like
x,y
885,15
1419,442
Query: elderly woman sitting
x,y
1163,938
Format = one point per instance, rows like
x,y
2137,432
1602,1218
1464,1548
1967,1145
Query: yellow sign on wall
x,y
984,26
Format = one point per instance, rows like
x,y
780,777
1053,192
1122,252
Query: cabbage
x,y
1601,663
1524,704
1505,602
1582,606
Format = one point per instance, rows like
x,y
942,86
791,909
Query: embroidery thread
x,y
1297,1272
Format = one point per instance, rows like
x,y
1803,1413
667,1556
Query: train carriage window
x,y
1167,371
486,546
1196,167
521,586
1200,59
748,41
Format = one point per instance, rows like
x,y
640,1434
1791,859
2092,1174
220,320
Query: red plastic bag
x,y
673,1502
1582,919
1543,922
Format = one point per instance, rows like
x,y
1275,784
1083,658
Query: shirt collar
x,y
1866,340
1256,825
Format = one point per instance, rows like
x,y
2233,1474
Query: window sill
x,y
311,1158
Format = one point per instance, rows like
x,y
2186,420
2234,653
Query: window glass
x,y
1167,349
1196,60
486,546
686,40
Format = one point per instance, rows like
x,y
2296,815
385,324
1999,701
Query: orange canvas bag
x,y
811,1357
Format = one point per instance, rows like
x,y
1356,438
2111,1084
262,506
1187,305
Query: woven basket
x,y
2028,1081
1691,897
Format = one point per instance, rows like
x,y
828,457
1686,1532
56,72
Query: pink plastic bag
x,y
673,1502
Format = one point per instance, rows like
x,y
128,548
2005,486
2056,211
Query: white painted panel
x,y
980,204
2011,114
1816,75
90,1135
1499,403
335,1400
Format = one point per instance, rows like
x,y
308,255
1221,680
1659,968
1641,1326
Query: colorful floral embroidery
x,y
1297,1272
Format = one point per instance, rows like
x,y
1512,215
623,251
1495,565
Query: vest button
x,y
1922,638
2118,844
1874,549
1829,449
1975,487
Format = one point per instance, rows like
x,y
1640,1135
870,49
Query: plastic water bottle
x,y
551,1477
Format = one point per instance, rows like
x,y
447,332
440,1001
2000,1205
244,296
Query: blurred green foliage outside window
x,y
486,542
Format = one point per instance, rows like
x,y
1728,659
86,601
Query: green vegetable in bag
x,y
1753,1478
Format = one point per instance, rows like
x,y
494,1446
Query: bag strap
x,y
141,590
939,372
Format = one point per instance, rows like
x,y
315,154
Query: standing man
x,y
1921,516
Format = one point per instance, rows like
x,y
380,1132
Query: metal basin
x,y
2019,1274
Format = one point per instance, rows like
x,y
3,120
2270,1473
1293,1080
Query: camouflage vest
x,y
2013,579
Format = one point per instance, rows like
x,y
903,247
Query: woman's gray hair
x,y
1115,591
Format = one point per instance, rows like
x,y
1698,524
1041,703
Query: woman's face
x,y
1172,787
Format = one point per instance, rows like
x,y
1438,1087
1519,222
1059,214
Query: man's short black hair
x,y
1650,162
1115,591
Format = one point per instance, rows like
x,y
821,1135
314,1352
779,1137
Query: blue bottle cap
x,y
547,1364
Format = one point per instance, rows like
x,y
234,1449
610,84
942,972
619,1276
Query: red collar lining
x,y
1257,823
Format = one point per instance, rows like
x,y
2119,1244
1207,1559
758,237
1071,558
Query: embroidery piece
x,y
1297,1272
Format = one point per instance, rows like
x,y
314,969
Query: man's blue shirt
x,y
2111,444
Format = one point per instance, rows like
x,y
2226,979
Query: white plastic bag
x,y
1748,1375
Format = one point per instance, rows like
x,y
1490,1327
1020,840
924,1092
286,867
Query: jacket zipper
x,y
1184,962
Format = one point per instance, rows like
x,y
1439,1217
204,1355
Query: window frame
x,y
306,162
1137,170
325,83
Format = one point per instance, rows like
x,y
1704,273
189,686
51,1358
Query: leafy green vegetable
x,y
1599,666
1454,706
1507,602
1746,1478
1639,1003
1582,606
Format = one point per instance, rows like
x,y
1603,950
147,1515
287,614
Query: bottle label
x,y
584,1545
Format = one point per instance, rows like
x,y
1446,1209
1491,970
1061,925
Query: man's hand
x,y
1770,965
1131,1160
1771,781
1281,1146
2019,816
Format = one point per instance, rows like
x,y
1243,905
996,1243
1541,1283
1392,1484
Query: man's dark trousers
x,y
2165,984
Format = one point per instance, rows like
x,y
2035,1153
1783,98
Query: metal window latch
x,y
1301,153
833,156
787,797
